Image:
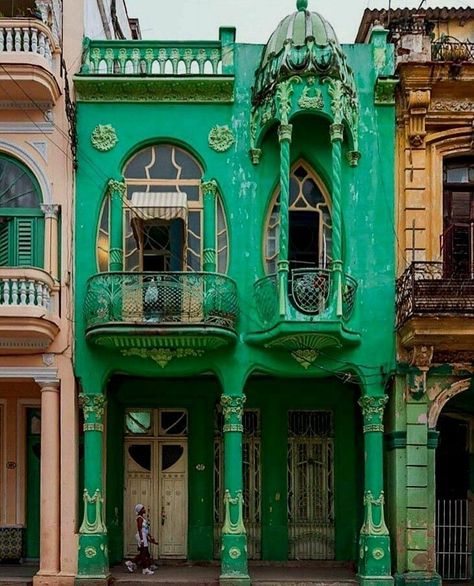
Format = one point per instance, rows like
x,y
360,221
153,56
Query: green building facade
x,y
234,291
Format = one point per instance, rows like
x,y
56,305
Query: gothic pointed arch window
x,y
310,236
21,217
163,214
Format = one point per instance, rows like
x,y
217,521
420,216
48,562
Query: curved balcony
x,y
29,320
161,310
27,47
309,318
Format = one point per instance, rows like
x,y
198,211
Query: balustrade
x,y
25,291
25,36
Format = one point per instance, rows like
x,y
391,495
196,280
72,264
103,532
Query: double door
x,y
156,477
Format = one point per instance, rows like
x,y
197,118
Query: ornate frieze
x,y
104,137
95,523
233,527
372,504
372,411
447,105
221,138
163,356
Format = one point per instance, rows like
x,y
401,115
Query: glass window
x,y
138,422
173,423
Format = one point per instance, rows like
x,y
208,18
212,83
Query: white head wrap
x,y
138,509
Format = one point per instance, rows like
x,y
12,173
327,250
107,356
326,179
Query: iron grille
x,y
166,298
453,546
424,289
310,485
449,48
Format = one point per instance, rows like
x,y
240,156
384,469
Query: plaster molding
x,y
25,105
11,148
418,103
41,147
26,128
36,373
441,400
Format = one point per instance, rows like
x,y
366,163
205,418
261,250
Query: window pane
x,y
138,422
173,423
17,188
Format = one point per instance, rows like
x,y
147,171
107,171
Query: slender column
x,y
336,140
51,239
93,560
117,192
234,538
209,190
49,487
284,136
374,544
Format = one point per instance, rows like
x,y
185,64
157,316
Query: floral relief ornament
x,y
221,138
104,137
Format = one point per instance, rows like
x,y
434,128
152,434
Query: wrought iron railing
x,y
132,57
448,48
425,289
207,299
310,292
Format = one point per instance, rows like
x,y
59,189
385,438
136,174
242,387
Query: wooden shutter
x,y
28,241
4,244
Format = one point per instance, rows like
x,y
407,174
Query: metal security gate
x,y
310,485
251,482
453,546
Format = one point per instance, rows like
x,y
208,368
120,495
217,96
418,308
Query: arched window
x,y
458,217
21,218
166,234
309,242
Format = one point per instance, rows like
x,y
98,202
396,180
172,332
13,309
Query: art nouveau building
x,y
40,48
430,468
232,204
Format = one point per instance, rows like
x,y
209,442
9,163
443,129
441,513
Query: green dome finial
x,y
301,4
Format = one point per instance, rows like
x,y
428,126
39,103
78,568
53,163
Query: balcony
x,y
310,320
161,310
29,319
450,49
169,71
27,48
433,309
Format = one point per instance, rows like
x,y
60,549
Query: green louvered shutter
x,y
29,242
4,244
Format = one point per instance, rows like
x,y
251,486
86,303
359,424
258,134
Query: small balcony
x,y
450,49
161,310
310,319
29,319
435,309
27,49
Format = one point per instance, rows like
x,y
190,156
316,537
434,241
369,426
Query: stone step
x,y
20,581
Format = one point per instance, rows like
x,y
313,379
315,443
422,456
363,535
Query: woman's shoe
x,y
147,571
153,567
130,566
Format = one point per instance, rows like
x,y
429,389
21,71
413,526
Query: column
x,y
374,543
284,136
49,487
209,190
336,132
51,239
234,538
117,191
93,560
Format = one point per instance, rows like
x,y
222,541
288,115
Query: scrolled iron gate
x,y
310,485
453,543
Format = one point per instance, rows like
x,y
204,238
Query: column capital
x,y
50,210
48,384
93,407
336,131
233,410
284,132
116,187
209,187
372,411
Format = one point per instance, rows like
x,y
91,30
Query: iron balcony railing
x,y
138,57
167,298
449,48
424,289
310,292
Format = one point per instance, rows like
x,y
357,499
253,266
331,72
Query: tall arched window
x,y
21,218
309,223
163,214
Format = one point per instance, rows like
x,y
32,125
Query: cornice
x,y
44,374
189,89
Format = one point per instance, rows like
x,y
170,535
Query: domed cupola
x,y
303,68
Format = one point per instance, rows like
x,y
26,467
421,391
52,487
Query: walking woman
x,y
143,559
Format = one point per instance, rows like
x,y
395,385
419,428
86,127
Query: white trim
x,y
30,372
26,127
13,149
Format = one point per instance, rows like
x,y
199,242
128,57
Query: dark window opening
x,y
303,240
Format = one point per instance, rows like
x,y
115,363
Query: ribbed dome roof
x,y
298,27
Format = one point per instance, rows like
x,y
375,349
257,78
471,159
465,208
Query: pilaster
x,y
234,569
284,136
209,191
117,191
51,212
336,133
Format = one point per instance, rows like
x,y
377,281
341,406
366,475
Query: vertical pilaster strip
x,y
284,136
234,538
51,239
49,491
117,192
209,191
336,140
374,545
93,559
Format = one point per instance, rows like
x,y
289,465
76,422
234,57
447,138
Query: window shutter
x,y
25,241
4,244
